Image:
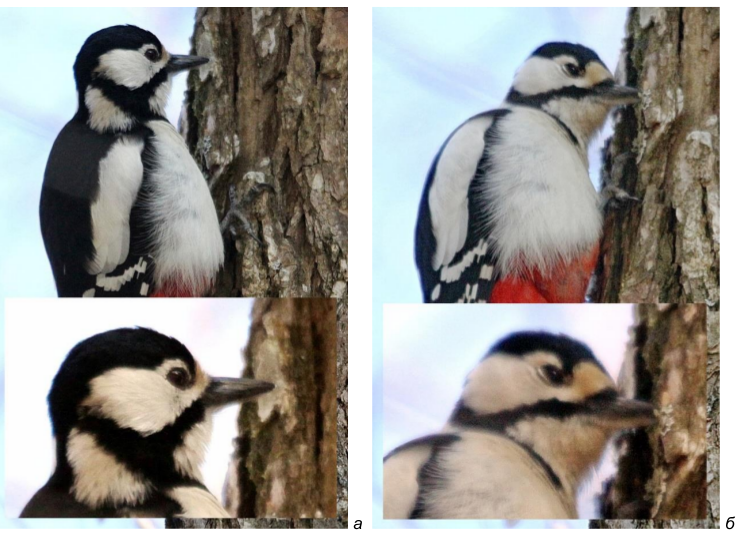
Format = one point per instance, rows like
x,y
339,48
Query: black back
x,y
426,243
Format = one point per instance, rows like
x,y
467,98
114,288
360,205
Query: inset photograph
x,y
555,413
202,408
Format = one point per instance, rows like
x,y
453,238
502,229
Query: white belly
x,y
187,245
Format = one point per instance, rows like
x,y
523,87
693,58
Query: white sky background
x,y
40,333
428,350
434,68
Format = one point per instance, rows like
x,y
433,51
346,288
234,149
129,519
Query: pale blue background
x,y
37,97
432,69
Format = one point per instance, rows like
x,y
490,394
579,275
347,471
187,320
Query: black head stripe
x,y
570,351
583,55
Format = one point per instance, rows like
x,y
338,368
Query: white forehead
x,y
130,68
142,399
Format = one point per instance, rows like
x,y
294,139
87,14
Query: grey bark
x,y
667,473
665,151
266,120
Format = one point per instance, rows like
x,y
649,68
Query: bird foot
x,y
616,194
237,212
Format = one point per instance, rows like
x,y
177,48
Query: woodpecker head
x,y
571,83
550,393
123,76
131,413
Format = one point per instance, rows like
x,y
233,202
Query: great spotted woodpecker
x,y
125,211
534,417
131,411
508,212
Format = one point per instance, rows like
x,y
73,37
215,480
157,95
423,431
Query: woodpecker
x,y
131,414
125,210
534,416
508,212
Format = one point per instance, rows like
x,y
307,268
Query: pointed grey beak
x,y
616,95
621,413
184,63
222,390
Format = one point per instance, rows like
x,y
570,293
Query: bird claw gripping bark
x,y
238,211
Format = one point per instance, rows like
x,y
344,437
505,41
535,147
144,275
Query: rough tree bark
x,y
663,471
266,120
284,468
665,151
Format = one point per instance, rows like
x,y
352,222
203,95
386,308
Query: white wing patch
x,y
119,174
448,195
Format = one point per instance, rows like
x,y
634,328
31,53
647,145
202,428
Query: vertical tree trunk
x,y
662,473
665,248
266,120
665,151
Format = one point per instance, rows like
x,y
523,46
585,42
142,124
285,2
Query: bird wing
x,y
90,186
53,502
401,468
452,253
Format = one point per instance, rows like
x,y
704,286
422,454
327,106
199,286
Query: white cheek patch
x,y
129,68
120,174
99,477
104,115
158,101
197,503
191,454
142,399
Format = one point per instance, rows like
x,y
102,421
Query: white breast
x,y
542,206
488,476
188,249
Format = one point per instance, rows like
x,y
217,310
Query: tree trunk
x,y
663,471
665,248
665,151
266,120
284,468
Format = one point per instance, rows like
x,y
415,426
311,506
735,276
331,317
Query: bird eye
x,y
178,377
572,69
151,54
553,374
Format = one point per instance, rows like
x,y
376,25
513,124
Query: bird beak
x,y
184,63
616,95
621,413
222,391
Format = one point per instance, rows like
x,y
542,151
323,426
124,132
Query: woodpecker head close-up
x,y
131,414
570,82
123,76
534,417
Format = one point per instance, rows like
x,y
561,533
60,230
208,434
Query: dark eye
x,y
553,374
573,70
152,54
179,377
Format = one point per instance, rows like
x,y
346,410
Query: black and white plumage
x,y
124,209
508,200
534,416
131,414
